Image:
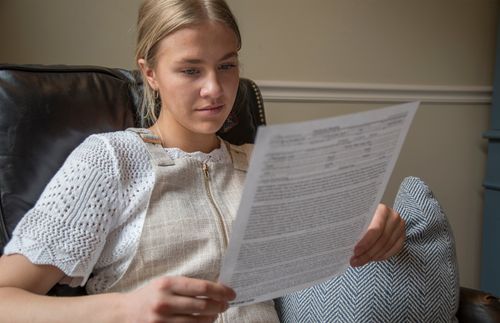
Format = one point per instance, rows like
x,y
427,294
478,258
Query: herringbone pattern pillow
x,y
420,284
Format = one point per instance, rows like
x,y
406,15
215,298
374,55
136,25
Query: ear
x,y
149,73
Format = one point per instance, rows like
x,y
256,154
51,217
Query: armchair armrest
x,y
478,306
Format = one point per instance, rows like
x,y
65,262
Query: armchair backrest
x,y
46,111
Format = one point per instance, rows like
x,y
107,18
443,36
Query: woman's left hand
x,y
384,237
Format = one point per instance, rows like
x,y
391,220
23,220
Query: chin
x,y
208,130
211,126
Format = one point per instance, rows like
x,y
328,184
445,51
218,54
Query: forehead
x,y
207,41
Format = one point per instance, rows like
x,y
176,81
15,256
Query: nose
x,y
212,87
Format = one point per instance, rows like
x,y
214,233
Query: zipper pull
x,y
205,170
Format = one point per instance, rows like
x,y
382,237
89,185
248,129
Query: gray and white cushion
x,y
420,284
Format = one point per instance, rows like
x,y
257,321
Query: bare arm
x,y
23,286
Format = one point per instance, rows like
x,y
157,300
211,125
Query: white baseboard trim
x,y
287,91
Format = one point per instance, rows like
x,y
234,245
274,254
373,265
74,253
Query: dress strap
x,y
153,143
240,155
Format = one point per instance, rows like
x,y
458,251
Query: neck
x,y
184,139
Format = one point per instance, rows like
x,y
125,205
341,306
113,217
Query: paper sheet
x,y
311,190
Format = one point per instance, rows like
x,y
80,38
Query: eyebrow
x,y
199,61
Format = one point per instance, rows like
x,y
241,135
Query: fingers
x,y
196,287
188,319
190,305
179,299
185,295
373,233
384,237
396,248
394,242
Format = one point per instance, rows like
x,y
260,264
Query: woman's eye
x,y
191,71
227,66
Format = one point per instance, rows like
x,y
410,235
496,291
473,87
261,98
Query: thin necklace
x,y
159,132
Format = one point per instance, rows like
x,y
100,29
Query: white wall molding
x,y
287,91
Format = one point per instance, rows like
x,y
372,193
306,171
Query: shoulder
x,y
240,155
246,149
118,142
112,151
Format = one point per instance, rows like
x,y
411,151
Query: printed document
x,y
310,193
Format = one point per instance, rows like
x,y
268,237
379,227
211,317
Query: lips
x,y
215,107
211,110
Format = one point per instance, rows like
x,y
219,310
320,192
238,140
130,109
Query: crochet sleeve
x,y
68,225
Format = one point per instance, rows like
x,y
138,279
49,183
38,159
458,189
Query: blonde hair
x,y
159,18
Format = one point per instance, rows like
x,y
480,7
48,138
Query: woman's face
x,y
197,76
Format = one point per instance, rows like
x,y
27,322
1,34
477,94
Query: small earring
x,y
156,95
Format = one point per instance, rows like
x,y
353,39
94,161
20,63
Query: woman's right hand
x,y
178,299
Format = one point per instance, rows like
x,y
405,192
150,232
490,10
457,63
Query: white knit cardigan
x,y
91,213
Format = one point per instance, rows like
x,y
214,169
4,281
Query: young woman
x,y
141,217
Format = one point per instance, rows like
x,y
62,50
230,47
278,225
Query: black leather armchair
x,y
46,111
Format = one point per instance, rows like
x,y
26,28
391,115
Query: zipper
x,y
220,219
